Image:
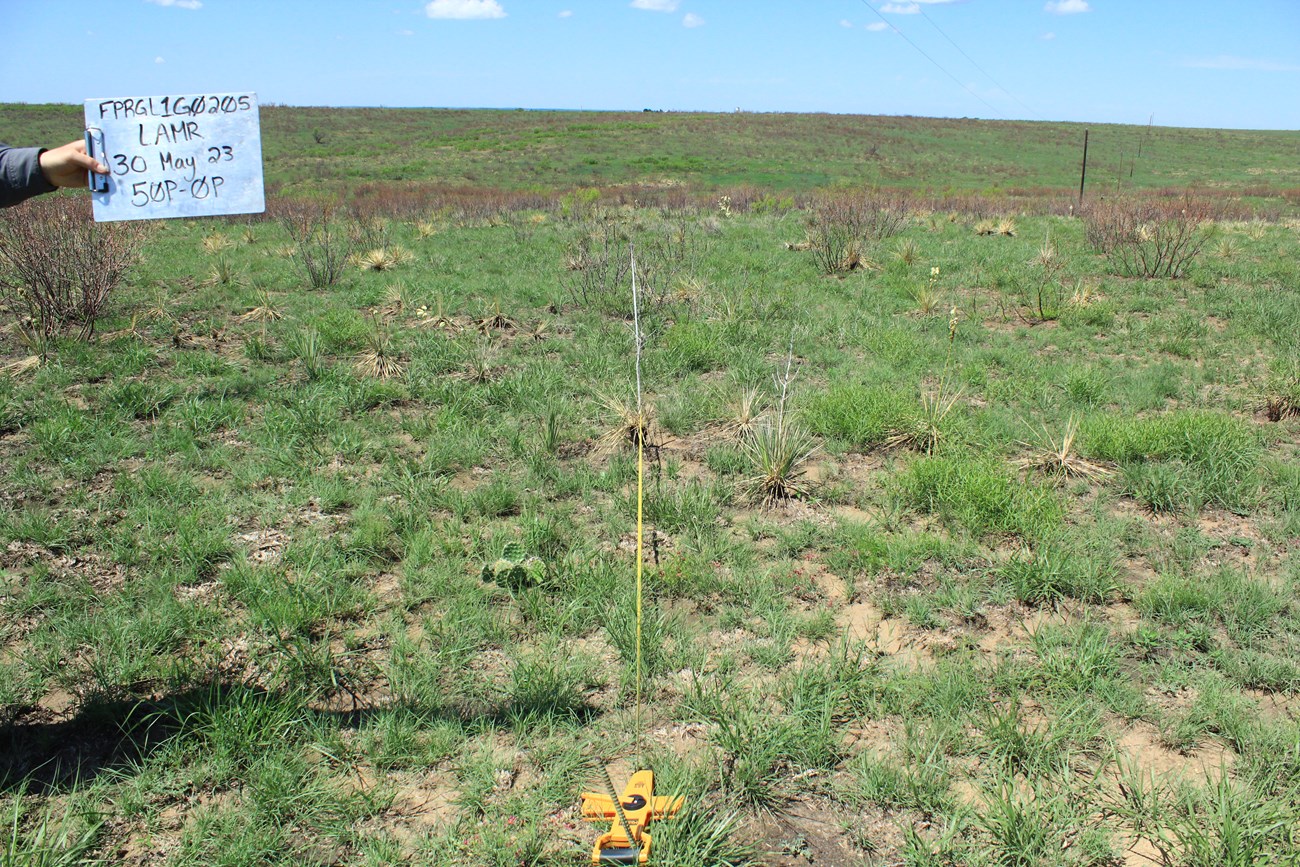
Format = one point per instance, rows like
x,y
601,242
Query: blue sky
x,y
1209,63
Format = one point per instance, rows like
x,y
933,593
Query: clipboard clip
x,y
95,148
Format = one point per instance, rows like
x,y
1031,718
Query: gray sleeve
x,y
20,175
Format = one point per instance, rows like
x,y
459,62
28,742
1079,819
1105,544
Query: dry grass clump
x,y
1282,391
15,369
383,258
1058,459
907,252
265,311
1084,293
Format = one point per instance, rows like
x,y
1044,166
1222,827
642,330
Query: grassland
x,y
307,150
1037,604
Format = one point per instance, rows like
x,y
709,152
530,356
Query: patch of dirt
x,y
264,544
102,574
1140,747
813,831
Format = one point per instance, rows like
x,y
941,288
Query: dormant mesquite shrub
x,y
321,241
1147,238
58,267
841,226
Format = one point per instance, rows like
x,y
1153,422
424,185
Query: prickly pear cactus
x,y
514,569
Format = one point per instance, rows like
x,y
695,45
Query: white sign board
x,y
191,155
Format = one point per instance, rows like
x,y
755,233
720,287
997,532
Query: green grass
x,y
243,612
761,158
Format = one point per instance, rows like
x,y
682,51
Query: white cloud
x,y
566,13
179,4
844,22
1048,36
690,19
406,33
656,5
1067,7
159,59
1227,61
464,9
901,8
877,26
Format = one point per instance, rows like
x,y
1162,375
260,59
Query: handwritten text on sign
x,y
197,155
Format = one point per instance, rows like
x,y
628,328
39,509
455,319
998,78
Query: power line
x,y
921,51
977,66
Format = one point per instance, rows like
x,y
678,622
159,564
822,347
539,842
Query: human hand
x,y
67,166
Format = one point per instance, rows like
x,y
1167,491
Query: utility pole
x,y
1083,174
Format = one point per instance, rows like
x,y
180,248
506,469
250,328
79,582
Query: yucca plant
x,y
926,298
1007,226
216,243
538,331
926,431
265,311
778,451
1226,249
396,299
223,273
1047,257
633,425
494,320
1083,294
380,360
309,350
158,311
907,252
435,318
480,362
426,228
937,402
383,258
745,411
1059,460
